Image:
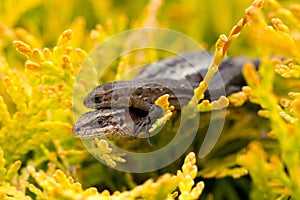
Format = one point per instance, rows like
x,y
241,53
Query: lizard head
x,y
109,123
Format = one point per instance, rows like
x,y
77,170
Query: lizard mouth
x,y
104,132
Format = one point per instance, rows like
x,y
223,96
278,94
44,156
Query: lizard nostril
x,y
76,129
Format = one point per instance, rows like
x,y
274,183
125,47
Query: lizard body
x,y
176,76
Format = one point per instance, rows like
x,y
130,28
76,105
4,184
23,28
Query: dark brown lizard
x,y
188,71
176,76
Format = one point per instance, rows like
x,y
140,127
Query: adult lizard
x,y
176,76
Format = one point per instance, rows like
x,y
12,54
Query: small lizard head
x,y
108,123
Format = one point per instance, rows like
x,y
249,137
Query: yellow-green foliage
x,y
40,158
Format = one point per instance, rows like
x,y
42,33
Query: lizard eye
x,y
100,122
98,99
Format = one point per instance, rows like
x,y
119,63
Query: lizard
x,y
112,99
161,78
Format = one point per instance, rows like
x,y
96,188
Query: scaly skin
x,y
110,123
176,76
158,79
